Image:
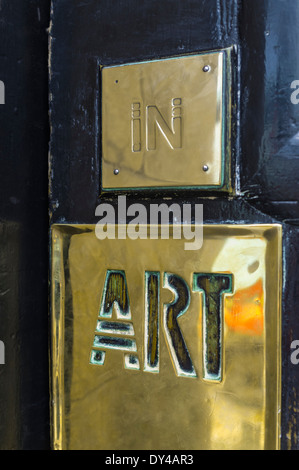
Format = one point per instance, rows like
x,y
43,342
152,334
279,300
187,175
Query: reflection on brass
x,y
165,123
155,347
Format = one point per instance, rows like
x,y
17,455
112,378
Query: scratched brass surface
x,y
163,121
121,406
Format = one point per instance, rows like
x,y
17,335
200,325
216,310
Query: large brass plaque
x,y
165,123
155,347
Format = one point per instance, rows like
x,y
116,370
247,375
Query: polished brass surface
x,y
134,362
165,123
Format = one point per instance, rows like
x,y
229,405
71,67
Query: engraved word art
x,y
119,333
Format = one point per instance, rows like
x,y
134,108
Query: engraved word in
x,y
119,333
155,121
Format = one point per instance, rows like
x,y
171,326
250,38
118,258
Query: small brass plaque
x,y
155,347
165,123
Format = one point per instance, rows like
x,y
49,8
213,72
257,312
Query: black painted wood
x,y
290,332
24,135
269,38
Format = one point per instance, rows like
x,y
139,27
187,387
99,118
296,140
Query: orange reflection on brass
x,y
244,311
